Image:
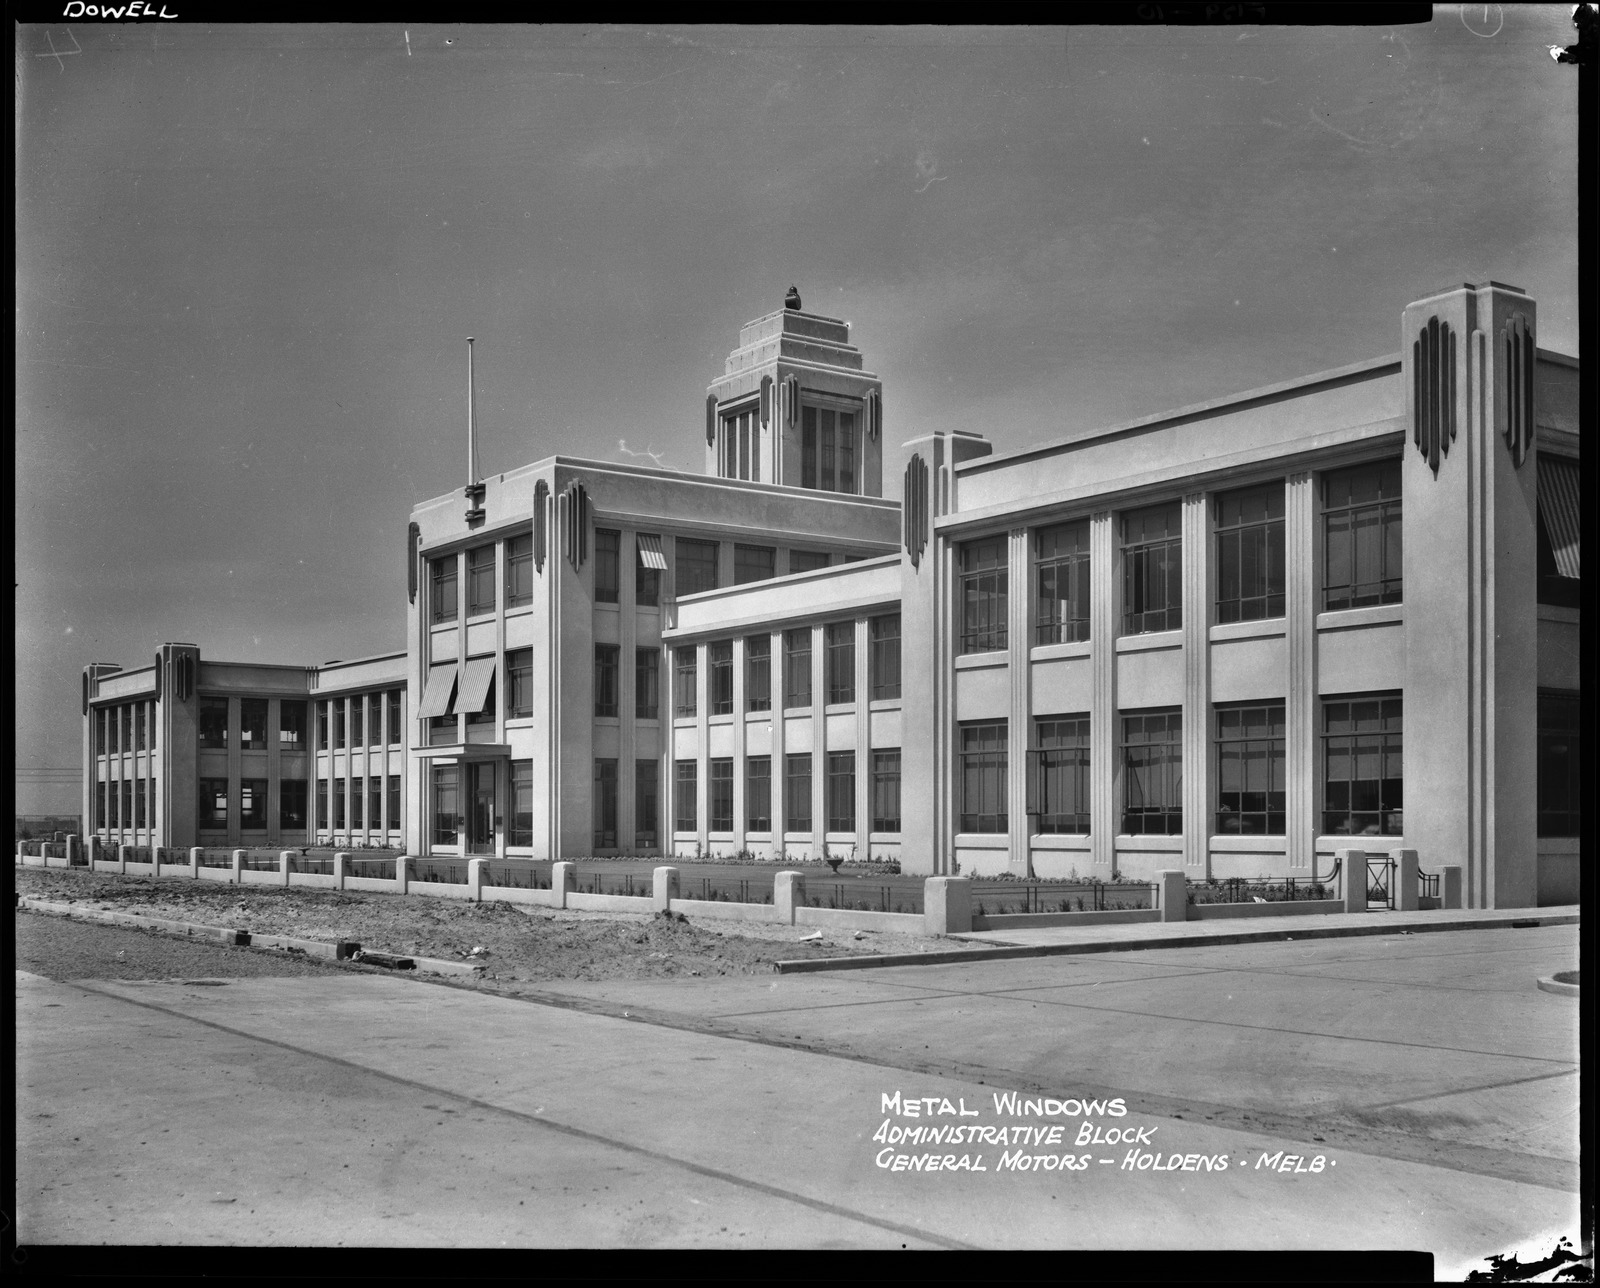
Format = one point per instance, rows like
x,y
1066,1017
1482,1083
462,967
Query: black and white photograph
x,y
802,637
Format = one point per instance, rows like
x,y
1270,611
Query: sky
x,y
248,258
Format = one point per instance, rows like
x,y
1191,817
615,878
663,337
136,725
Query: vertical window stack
x,y
1152,569
983,595
1152,773
1251,770
983,777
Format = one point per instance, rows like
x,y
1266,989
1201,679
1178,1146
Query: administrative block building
x,y
1338,611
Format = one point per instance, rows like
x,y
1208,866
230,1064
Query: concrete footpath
x,y
1399,1091
1047,941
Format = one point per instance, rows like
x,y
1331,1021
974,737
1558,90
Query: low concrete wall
x,y
728,911
611,902
319,880
377,885
218,874
440,889
37,861
1277,908
105,865
252,876
141,869
52,861
520,894
1021,920
900,923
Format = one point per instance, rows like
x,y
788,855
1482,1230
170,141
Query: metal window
x,y
338,722
883,657
357,797
253,803
1251,770
375,719
375,802
841,791
396,822
808,447
758,794
252,724
758,673
797,669
138,801
446,804
841,660
983,777
1152,569
480,581
607,565
1363,766
1250,573
807,560
322,726
886,791
397,733
847,452
753,563
357,722
338,811
139,710
442,597
323,805
292,804
647,684
685,795
696,567
605,679
605,804
213,803
519,683
719,657
1058,780
292,725
519,571
647,570
983,595
1560,793
213,722
1361,537
720,794
646,804
127,727
1061,582
686,674
521,804
797,791
1152,774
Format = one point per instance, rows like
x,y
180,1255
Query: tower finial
x,y
792,299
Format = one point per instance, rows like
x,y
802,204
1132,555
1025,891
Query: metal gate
x,y
1381,880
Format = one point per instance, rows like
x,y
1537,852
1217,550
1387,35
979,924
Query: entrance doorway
x,y
480,808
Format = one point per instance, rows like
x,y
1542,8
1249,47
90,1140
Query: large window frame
x,y
840,642
886,791
252,724
797,771
1251,578
1362,536
1058,781
607,566
646,580
808,560
686,802
481,581
754,563
982,594
883,657
605,803
739,444
758,794
758,673
1152,569
607,661
213,723
213,804
647,684
519,571
291,725
797,668
442,597
1560,790
1152,772
983,806
447,817
829,436
1061,583
519,811
252,804
685,681
695,566
1363,765
719,794
841,791
292,804
1252,769
519,684
646,804
719,677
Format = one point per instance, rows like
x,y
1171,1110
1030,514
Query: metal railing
x,y
1258,890
1004,898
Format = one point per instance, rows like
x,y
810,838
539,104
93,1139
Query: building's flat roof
x,y
1372,367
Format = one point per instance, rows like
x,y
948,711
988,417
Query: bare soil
x,y
517,942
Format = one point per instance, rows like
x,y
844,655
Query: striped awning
x,y
474,688
650,552
436,696
1559,507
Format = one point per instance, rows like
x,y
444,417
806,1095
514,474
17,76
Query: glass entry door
x,y
480,808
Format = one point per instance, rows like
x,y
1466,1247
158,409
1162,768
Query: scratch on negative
x,y
408,44
931,182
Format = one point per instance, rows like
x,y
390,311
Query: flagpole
x,y
472,422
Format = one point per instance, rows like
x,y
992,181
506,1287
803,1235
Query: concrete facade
x,y
1228,640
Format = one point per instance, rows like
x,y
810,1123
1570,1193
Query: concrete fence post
x,y
74,848
947,905
563,881
285,858
340,862
402,872
238,867
1173,894
665,888
788,893
477,869
1405,877
122,858
1353,872
22,850
1450,887
194,863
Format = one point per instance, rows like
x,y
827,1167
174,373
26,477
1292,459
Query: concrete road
x,y
367,1110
